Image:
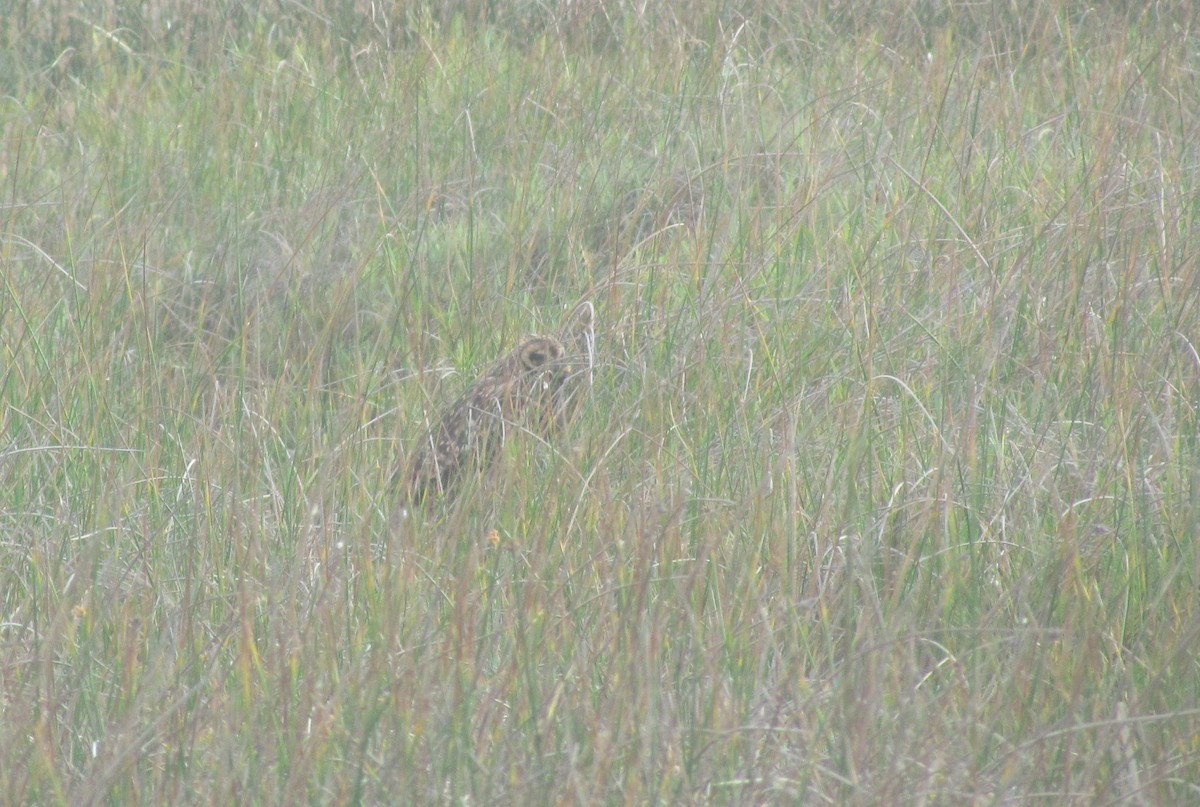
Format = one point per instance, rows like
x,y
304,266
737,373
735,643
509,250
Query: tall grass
x,y
885,490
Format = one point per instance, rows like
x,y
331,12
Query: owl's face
x,y
538,351
541,369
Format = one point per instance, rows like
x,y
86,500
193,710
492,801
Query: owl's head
x,y
538,351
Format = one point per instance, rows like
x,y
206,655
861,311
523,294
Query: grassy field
x,y
886,491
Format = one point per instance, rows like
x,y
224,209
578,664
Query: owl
x,y
536,388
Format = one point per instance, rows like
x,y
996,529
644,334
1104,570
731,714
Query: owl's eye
x,y
537,357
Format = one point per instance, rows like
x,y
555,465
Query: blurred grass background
x,y
887,490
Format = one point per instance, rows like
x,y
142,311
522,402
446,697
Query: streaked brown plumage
x,y
534,388
516,393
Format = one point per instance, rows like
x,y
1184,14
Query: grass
x,y
886,490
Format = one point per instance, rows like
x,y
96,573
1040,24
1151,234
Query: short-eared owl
x,y
518,392
536,388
